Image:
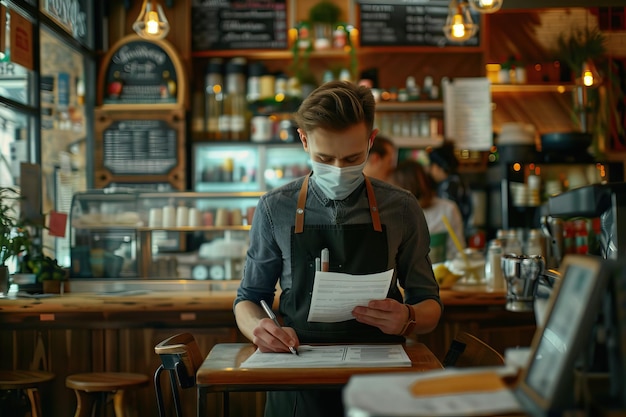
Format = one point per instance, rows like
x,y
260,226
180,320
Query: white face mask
x,y
338,183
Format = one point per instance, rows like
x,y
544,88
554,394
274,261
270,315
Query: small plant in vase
x,y
322,16
19,242
512,70
15,237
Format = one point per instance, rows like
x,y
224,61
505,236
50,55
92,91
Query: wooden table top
x,y
221,370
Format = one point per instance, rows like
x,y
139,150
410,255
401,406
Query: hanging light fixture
x,y
151,22
590,76
459,25
486,6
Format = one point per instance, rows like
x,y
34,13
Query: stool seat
x,y
105,381
20,379
93,388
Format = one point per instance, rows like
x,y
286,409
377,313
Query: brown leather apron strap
x,y
301,203
299,227
373,206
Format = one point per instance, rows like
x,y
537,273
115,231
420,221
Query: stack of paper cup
x,y
155,218
194,217
169,216
182,216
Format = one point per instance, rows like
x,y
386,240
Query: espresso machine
x,y
606,201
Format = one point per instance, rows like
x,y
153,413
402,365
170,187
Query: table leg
x,y
226,410
201,403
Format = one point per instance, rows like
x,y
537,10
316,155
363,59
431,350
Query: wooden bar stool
x,y
97,387
27,382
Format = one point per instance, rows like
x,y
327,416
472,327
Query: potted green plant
x,y
595,104
14,239
322,16
19,242
14,236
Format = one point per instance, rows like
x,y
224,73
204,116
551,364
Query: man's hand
x,y
388,315
269,337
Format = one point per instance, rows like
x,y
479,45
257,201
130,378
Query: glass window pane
x,y
14,128
15,79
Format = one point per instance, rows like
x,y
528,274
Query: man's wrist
x,y
410,324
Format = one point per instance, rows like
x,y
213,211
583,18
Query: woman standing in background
x,y
411,176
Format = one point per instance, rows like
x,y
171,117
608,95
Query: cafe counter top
x,y
186,296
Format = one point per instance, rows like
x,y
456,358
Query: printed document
x,y
391,395
336,294
332,356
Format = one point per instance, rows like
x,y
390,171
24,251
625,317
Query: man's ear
x,y
303,139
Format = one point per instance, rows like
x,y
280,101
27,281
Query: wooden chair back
x,y
466,350
181,357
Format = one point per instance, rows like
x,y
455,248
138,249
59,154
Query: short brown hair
x,y
337,105
411,176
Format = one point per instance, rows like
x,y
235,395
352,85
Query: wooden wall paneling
x,y
548,112
394,68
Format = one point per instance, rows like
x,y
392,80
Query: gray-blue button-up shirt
x,y
269,259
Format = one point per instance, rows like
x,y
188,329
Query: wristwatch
x,y
410,323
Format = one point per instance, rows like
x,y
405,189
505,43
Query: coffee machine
x,y
606,201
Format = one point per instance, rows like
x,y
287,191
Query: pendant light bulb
x,y
151,22
459,25
486,6
590,76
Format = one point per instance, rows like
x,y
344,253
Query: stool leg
x,y
118,403
35,402
84,404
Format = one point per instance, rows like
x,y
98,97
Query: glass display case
x,y
228,167
117,234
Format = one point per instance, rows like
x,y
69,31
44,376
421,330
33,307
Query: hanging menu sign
x,y
140,72
140,147
238,24
407,23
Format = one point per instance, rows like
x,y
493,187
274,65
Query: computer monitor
x,y
546,382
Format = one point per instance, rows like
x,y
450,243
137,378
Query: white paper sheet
x,y
389,395
332,356
336,294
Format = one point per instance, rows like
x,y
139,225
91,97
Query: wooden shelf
x,y
278,54
417,142
270,54
531,88
424,105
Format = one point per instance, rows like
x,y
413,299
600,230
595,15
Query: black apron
x,y
354,249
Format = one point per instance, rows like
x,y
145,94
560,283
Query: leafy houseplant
x,y
580,46
322,16
19,240
596,106
14,237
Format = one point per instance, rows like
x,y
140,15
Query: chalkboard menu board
x,y
140,72
140,147
407,23
238,24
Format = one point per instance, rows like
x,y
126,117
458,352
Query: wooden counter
x,y
89,331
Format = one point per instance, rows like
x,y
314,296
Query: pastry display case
x,y
122,233
246,166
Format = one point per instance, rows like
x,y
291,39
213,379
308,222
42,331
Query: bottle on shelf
x,y
213,98
234,123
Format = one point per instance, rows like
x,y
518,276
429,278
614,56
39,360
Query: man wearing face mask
x,y
369,226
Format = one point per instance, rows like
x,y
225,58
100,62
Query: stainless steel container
x,y
522,277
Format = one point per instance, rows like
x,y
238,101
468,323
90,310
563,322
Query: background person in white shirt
x,y
411,176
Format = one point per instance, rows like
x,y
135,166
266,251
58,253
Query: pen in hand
x,y
272,316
